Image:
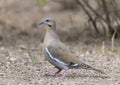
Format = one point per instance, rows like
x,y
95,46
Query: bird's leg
x,y
59,70
56,73
65,72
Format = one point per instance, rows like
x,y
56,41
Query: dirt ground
x,y
22,60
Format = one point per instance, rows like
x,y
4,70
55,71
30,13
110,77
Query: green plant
x,y
41,2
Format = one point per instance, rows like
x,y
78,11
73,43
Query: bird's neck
x,y
52,33
51,36
53,26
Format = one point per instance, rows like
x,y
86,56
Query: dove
x,y
58,54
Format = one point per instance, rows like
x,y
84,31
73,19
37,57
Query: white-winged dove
x,y
57,53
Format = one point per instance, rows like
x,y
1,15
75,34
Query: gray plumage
x,y
57,53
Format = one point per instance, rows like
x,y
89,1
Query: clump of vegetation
x,y
106,15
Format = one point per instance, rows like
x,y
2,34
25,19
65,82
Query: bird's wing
x,y
60,51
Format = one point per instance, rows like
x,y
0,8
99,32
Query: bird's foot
x,y
57,74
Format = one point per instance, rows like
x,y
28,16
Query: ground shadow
x,y
76,76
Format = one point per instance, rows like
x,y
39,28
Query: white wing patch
x,y
74,65
53,58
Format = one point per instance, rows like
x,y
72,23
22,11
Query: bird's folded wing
x,y
60,52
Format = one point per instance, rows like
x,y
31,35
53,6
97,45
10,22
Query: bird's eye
x,y
47,20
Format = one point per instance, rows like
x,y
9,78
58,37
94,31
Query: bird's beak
x,y
41,23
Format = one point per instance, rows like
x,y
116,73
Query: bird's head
x,y
48,21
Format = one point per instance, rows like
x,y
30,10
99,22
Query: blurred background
x,y
76,20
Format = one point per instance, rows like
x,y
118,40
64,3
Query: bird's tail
x,y
86,66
